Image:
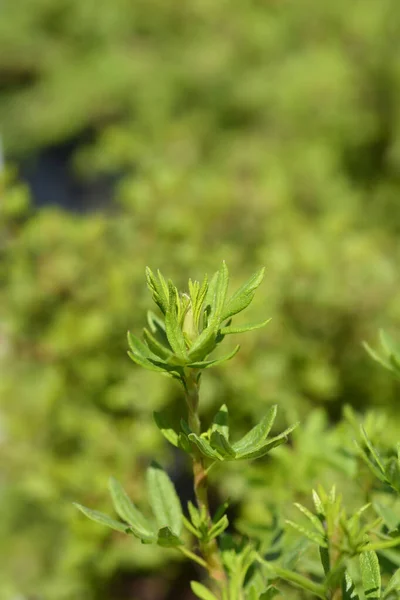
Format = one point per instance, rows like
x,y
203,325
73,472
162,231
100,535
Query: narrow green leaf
x,y
201,591
214,301
141,354
311,517
243,296
241,329
204,447
218,528
258,434
168,432
144,362
310,534
164,499
157,288
197,309
372,450
319,507
205,364
125,509
376,357
156,347
172,326
103,519
221,421
221,445
263,449
370,575
167,539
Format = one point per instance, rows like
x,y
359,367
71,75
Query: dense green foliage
x,y
259,133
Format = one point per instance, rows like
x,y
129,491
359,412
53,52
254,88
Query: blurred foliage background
x,y
175,134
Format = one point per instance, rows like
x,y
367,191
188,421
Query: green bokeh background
x,y
262,132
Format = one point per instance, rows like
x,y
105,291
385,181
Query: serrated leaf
x,y
243,296
214,301
201,295
205,364
158,289
319,507
370,575
311,517
204,447
163,499
310,534
103,519
167,539
127,511
243,328
201,591
258,434
172,326
221,421
168,432
221,445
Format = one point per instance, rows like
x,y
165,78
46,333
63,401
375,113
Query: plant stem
x,y
209,550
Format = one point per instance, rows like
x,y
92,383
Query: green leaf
x,y
214,301
311,517
204,447
370,575
197,308
244,295
164,499
319,507
168,432
167,539
141,354
172,326
269,445
258,434
125,509
218,528
241,329
205,364
221,421
201,591
158,289
221,445
103,519
372,450
309,533
156,347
